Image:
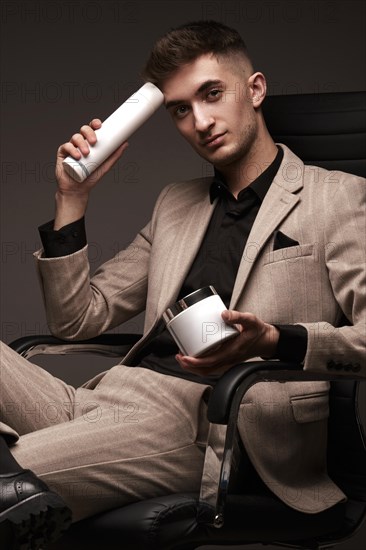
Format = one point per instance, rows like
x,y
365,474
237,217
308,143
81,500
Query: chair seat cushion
x,y
170,521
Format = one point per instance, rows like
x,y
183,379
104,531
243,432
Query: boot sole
x,y
34,522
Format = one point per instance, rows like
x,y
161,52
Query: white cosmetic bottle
x,y
116,129
196,324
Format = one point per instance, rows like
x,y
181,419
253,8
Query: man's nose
x,y
203,120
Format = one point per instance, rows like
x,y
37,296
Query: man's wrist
x,y
70,207
271,341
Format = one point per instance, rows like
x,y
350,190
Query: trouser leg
x,y
138,434
30,514
30,397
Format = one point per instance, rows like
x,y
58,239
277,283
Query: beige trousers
x,y
132,435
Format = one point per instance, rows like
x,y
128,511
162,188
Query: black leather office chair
x,y
327,130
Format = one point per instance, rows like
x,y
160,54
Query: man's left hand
x,y
255,338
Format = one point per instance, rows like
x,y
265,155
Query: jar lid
x,y
188,301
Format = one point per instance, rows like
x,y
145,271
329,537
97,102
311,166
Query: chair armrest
x,y
223,408
237,380
112,345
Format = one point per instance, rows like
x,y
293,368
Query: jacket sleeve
x,y
79,306
342,348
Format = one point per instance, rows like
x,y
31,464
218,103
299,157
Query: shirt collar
x,y
260,185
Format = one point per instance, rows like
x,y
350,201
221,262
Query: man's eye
x,y
214,94
180,111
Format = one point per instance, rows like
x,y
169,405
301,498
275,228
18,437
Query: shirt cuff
x,y
292,343
68,239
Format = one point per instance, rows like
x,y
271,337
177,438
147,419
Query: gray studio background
x,y
63,63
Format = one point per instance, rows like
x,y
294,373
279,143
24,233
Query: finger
x,y
188,362
88,134
185,361
108,163
233,317
79,141
95,123
69,149
185,364
206,370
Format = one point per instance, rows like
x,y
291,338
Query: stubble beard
x,y
240,151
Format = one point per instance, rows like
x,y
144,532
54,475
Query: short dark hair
x,y
187,42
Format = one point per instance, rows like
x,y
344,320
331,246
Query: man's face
x,y
210,103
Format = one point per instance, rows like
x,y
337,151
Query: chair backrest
x,y
327,130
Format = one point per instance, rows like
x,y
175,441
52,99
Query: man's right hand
x,y
72,196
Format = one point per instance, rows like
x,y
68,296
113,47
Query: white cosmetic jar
x,y
196,324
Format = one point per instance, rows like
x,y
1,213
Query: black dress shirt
x,y
216,264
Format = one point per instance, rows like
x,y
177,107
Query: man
x,y
284,252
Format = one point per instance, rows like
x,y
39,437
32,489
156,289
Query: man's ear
x,y
257,89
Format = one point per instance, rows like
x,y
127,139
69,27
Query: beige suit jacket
x,y
316,284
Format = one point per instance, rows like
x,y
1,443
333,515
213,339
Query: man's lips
x,y
213,140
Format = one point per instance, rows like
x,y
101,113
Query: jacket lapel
x,y
186,244
279,201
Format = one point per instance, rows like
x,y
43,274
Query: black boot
x,y
31,515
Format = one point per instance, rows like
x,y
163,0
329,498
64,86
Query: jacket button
x,y
331,365
356,367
